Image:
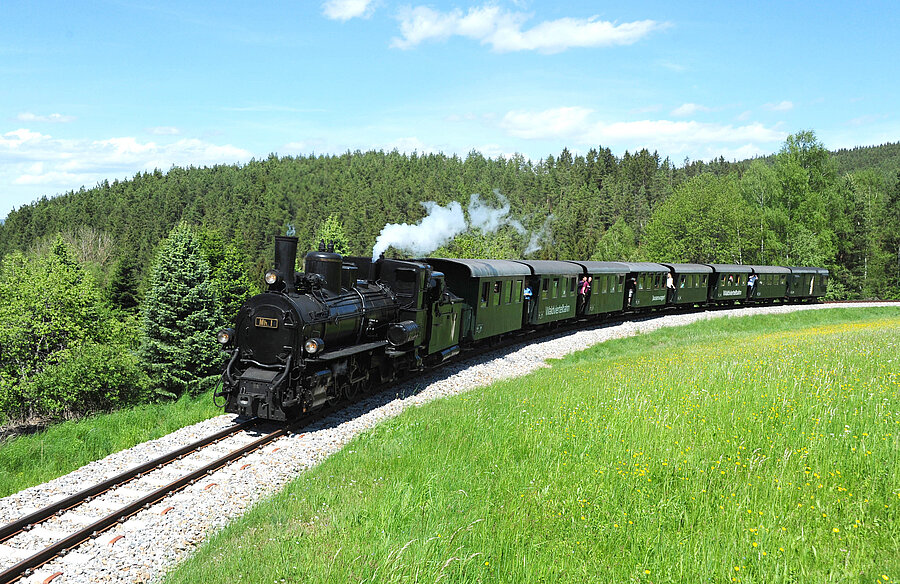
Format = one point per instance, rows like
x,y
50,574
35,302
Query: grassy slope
x,y
757,449
31,460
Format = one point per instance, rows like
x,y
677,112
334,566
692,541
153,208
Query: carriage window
x,y
571,284
485,287
544,287
507,289
704,279
600,282
681,280
518,291
621,282
498,287
554,290
641,283
563,284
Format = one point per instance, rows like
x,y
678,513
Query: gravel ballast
x,y
152,542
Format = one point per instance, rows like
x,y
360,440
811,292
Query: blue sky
x,y
102,90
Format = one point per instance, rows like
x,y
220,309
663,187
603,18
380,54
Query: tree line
x,y
89,277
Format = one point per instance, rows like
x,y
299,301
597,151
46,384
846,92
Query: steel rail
x,y
11,529
60,547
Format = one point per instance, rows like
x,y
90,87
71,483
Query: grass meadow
x,y
753,449
30,460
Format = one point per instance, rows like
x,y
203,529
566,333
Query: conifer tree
x,y
180,318
231,283
123,286
332,232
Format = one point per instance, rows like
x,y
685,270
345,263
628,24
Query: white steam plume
x,y
488,219
442,224
434,230
534,242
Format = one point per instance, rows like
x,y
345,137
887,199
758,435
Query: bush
x,y
88,378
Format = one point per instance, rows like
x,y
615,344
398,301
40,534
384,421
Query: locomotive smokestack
x,y
286,259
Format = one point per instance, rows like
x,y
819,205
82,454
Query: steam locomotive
x,y
348,324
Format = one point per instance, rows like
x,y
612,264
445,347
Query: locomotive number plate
x,y
262,322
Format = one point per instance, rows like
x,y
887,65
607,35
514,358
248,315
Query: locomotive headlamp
x,y
271,277
225,336
313,346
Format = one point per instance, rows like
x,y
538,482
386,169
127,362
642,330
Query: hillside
x,y
597,205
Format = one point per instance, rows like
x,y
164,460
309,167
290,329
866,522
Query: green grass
x,y
759,449
26,461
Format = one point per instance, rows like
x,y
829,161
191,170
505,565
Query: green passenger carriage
x,y
554,290
645,285
691,283
729,282
607,284
771,284
493,290
807,283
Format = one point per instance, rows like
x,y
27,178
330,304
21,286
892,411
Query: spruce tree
x,y
180,318
123,286
231,282
332,232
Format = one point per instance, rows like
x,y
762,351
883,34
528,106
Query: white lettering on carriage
x,y
559,309
655,298
731,292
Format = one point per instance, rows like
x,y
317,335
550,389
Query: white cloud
x,y
164,131
689,109
502,30
738,153
52,118
667,131
780,107
408,144
32,158
347,9
576,126
552,123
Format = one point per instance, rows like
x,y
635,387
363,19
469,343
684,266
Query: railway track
x,y
59,511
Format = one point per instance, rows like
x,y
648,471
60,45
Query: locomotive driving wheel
x,y
353,389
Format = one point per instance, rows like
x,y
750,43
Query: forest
x,y
110,295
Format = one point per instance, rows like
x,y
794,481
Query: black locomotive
x,y
324,334
348,324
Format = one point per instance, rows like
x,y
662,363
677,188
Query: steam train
x,y
348,324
